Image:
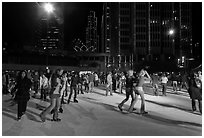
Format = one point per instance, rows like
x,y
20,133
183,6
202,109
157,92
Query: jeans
x,y
109,88
141,93
36,87
72,88
175,85
55,104
156,89
80,88
129,92
43,94
164,88
194,105
91,85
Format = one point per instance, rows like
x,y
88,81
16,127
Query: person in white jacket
x,y
164,81
109,84
43,87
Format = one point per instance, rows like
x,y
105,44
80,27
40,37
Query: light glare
x,y
171,32
48,7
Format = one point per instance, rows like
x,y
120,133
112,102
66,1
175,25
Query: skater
x,y
139,91
54,96
130,80
36,84
109,84
43,87
195,92
155,82
164,81
73,87
23,87
91,82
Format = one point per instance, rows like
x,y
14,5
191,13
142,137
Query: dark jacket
x,y
194,91
130,81
23,89
74,81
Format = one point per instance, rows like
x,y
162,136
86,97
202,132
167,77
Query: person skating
x,y
91,82
164,81
195,92
54,96
155,82
36,84
73,88
43,87
109,84
130,80
23,93
139,91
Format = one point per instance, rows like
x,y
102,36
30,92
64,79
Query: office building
x,y
92,38
49,33
134,33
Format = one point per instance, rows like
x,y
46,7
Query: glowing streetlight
x,y
171,32
49,7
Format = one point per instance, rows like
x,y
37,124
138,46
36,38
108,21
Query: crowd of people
x,y
55,86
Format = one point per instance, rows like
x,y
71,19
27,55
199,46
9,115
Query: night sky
x,y
19,20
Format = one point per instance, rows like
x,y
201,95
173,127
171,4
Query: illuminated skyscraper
x,y
49,32
92,38
146,31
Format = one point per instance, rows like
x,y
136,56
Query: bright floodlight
x,y
48,7
171,32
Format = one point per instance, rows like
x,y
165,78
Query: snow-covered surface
x,y
98,115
